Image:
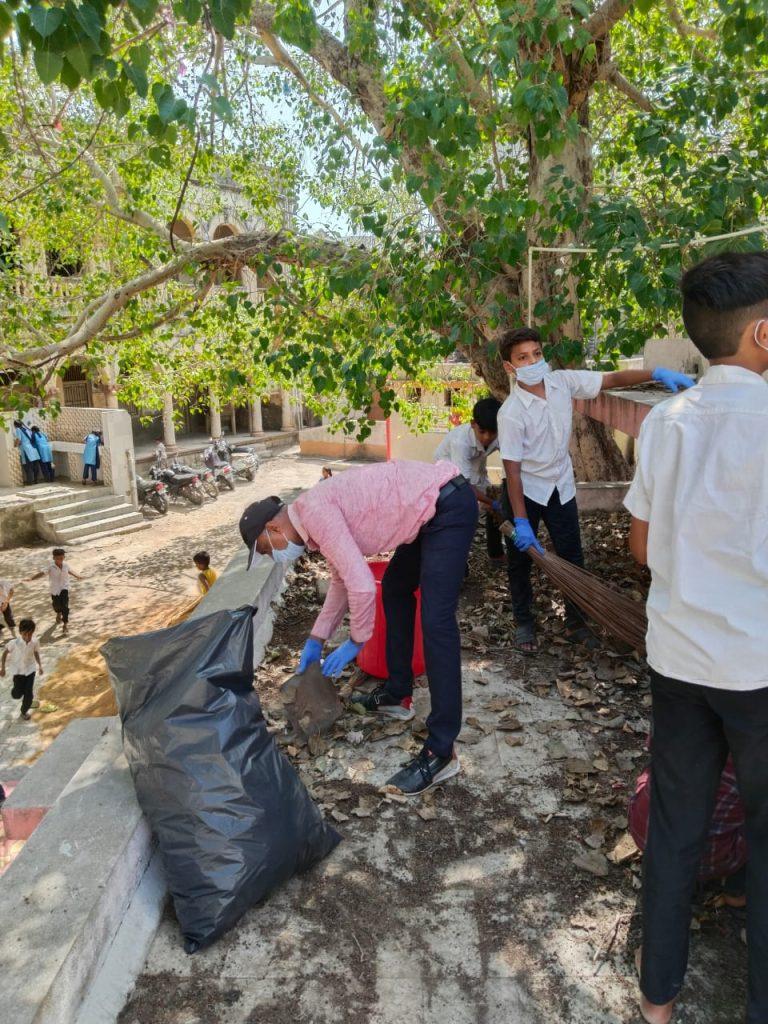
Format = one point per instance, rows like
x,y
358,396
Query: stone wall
x,y
67,432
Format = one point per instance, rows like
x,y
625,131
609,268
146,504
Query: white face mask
x,y
534,373
287,554
757,340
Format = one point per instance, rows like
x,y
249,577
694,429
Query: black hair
x,y
35,429
58,551
26,626
328,470
720,297
203,558
485,412
509,339
18,423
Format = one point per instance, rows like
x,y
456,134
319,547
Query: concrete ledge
x,y
40,788
64,896
17,522
621,410
602,496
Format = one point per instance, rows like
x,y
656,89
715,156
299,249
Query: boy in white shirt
x,y
58,573
468,447
23,652
699,505
534,435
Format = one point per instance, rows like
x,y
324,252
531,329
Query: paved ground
x,y
134,583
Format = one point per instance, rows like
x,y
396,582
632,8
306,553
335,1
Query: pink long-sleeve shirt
x,y
364,512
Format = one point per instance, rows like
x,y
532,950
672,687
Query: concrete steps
x,y
66,515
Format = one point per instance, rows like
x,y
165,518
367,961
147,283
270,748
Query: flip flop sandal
x,y
583,635
526,635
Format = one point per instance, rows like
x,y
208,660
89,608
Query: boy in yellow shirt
x,y
206,575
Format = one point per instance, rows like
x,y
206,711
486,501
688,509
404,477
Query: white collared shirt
x,y
536,432
6,586
461,447
21,656
702,485
58,578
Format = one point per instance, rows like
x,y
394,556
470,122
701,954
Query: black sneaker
x,y
381,702
424,772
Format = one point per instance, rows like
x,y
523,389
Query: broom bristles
x,y
622,616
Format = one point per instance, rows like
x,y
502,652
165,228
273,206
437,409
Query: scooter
x,y
220,468
207,479
179,485
244,460
152,493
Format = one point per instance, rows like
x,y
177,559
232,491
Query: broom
x,y
624,618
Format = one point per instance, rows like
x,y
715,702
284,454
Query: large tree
x,y
464,138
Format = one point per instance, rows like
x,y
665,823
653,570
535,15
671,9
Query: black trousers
x,y
48,470
8,616
22,690
89,467
493,540
31,471
60,604
562,523
434,561
694,729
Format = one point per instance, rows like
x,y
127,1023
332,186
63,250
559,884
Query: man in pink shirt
x,y
427,514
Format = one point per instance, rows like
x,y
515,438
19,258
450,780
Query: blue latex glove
x,y
672,380
525,537
338,660
496,506
311,651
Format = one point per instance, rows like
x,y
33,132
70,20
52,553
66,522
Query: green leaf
x,y
160,155
48,65
6,20
69,76
190,10
89,20
223,14
80,57
138,78
46,20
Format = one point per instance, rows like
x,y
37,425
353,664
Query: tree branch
x,y
682,26
610,73
233,251
171,314
608,14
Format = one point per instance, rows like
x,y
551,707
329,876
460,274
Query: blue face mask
x,y
534,373
287,554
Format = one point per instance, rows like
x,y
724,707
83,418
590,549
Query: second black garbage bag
x,y
232,818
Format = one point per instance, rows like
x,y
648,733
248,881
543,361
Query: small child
x,y
23,652
6,593
326,473
206,575
58,573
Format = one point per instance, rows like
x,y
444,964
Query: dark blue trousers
x,y
435,562
694,727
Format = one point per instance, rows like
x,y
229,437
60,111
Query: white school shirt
x,y
702,485
536,432
21,656
461,447
58,578
6,586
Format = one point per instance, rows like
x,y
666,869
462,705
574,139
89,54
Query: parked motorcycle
x,y
179,485
242,458
207,478
152,493
220,468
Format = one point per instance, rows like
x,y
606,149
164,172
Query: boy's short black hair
x,y
720,297
485,412
26,626
509,339
202,558
58,551
328,470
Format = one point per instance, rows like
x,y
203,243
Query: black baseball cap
x,y
255,518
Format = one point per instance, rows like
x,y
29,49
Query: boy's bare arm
x,y
37,576
638,540
39,663
2,662
625,378
75,574
515,488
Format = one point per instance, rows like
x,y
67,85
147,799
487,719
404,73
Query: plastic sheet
x,y
232,818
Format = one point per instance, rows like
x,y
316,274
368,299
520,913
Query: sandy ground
x,y
139,582
508,896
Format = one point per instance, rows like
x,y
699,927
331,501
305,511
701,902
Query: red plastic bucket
x,y
373,657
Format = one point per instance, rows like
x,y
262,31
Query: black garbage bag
x,y
231,816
